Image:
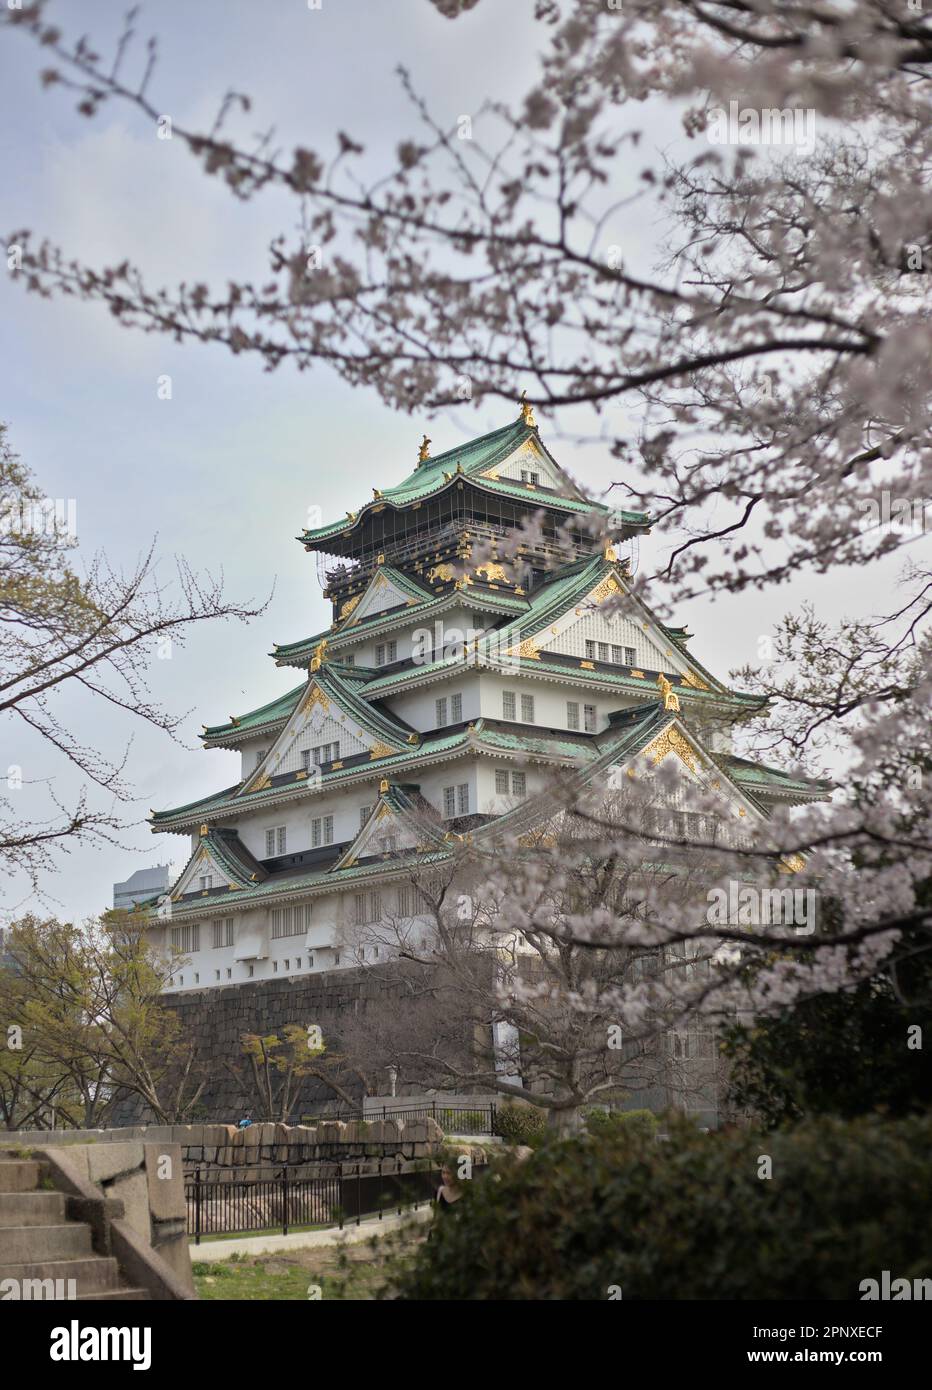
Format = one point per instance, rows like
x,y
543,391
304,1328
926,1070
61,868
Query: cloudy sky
x,y
224,472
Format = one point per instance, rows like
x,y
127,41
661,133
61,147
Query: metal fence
x,y
452,1119
232,1205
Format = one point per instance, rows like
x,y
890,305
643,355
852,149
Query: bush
x,y
521,1124
634,1121
692,1218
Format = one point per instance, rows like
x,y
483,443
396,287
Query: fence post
x,y
358,1194
492,1117
197,1206
342,1197
381,1200
285,1201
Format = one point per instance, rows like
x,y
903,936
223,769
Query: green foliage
x,y
642,1121
837,1054
691,1218
521,1124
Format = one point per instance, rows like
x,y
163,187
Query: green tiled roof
x,y
471,460
473,597
744,771
256,719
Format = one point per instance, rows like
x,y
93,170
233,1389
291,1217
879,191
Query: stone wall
x,y
217,1019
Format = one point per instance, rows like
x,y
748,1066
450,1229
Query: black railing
x,y
452,1119
220,1205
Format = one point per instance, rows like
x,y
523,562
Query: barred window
x,y
440,713
456,708
590,651
404,901
572,714
364,814
501,781
187,939
206,881
223,932
603,651
508,705
590,717
519,783
449,801
367,908
527,709
290,921
462,799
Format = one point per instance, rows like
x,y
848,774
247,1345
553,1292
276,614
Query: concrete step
x,y
36,1244
32,1208
115,1296
19,1175
93,1274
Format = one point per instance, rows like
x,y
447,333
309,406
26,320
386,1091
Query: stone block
x,y
165,1178
133,1191
105,1161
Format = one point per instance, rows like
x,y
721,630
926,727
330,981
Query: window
x,y
290,921
527,709
526,477
623,656
449,801
367,908
603,651
519,783
508,705
590,651
572,714
589,712
631,656
404,901
456,708
386,653
259,756
440,713
348,660
275,840
364,814
306,759
462,799
321,831
326,753
187,939
206,881
501,781
223,933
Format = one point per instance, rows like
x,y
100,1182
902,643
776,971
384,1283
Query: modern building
x,y
474,648
141,886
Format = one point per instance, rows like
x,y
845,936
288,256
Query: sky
x,y
224,472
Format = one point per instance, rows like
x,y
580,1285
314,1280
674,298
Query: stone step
x,y
32,1208
93,1274
39,1243
19,1175
115,1296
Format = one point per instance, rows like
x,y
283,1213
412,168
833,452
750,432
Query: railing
x,y
235,1205
452,1119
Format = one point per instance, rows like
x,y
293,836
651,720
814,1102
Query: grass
x,y
340,1273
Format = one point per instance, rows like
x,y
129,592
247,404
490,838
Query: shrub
x,y
521,1124
692,1219
640,1121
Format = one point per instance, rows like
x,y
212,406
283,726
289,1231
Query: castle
x,y
477,644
